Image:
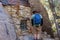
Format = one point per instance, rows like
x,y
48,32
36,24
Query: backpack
x,y
37,19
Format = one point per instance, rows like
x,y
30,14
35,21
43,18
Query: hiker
x,y
37,22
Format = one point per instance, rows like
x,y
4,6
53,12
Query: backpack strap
x,y
32,16
41,16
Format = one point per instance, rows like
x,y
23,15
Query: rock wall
x,y
7,31
23,12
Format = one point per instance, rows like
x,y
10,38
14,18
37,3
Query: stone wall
x,y
23,12
7,31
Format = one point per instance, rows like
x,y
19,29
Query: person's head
x,y
36,12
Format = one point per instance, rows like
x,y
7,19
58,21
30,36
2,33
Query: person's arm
x,y
32,20
41,20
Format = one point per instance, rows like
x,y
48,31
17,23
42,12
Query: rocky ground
x,y
27,36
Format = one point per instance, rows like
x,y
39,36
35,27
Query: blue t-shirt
x,y
36,18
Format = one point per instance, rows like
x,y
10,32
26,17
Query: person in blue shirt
x,y
37,22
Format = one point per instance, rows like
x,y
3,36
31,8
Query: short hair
x,y
34,12
38,11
